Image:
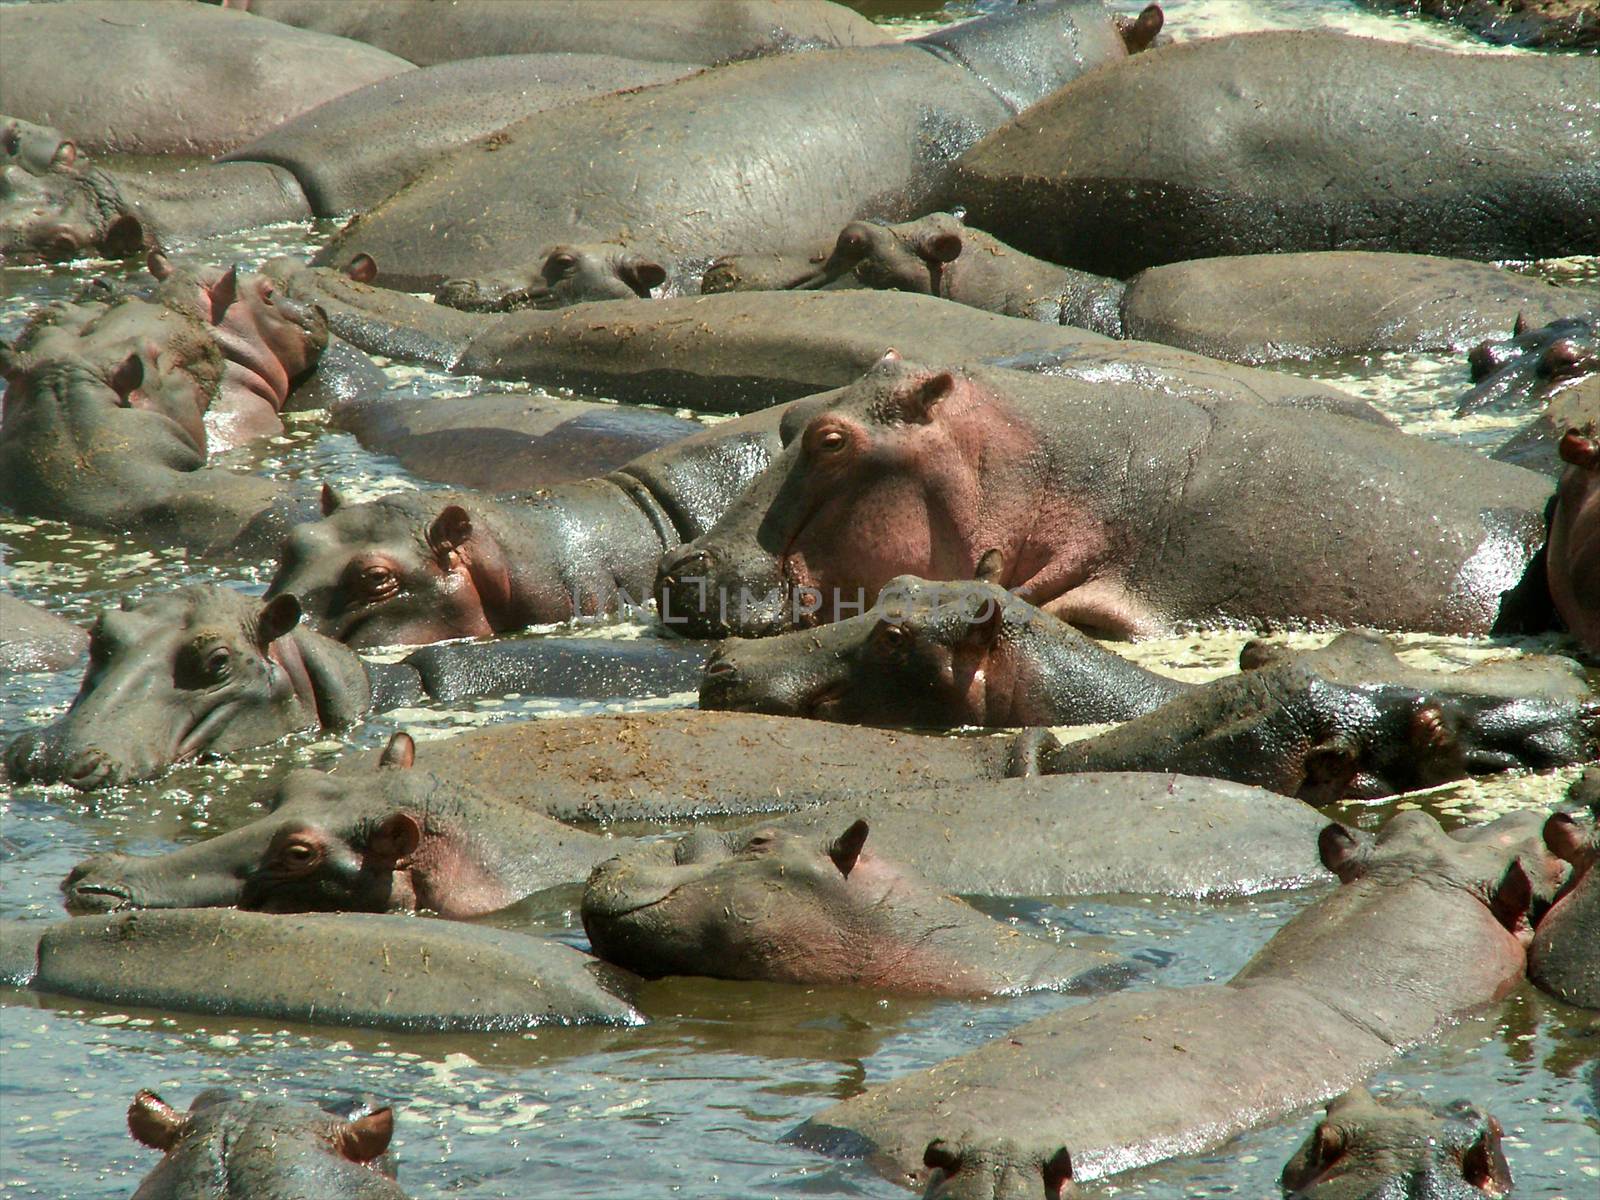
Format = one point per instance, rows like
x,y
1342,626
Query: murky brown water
x,y
695,1103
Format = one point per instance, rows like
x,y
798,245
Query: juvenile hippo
x,y
573,274
1348,721
825,911
1573,554
385,840
32,639
1123,509
1565,957
1289,141
366,969
823,162
1425,927
936,655
1366,1149
228,1148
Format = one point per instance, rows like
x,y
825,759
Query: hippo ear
x,y
223,293
451,530
1580,451
153,1122
1343,852
365,1138
984,625
66,154
363,268
159,265
846,848
1141,31
940,1155
127,378
1520,325
1057,1172
401,752
991,566
394,842
942,247
1513,898
1484,1164
1563,836
641,274
330,500
918,399
277,617
123,238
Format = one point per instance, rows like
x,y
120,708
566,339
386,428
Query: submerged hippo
x,y
1565,957
1573,554
1348,721
1538,360
32,639
1123,509
1424,927
797,909
1296,140
228,1148
824,163
565,275
377,971
389,840
935,654
1366,1149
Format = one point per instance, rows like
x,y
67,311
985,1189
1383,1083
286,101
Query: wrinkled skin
x,y
1573,554
1532,366
389,840
199,670
565,275
804,910
1336,142
33,639
824,163
917,470
1348,721
1565,957
1424,927
1365,1149
938,255
228,1148
935,655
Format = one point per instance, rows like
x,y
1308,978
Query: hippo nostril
x,y
90,769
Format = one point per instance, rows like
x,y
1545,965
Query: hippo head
x,y
904,258
200,669
932,654
64,214
574,274
874,480
1364,1149
37,149
264,1147
339,842
1572,555
406,569
995,1169
1532,365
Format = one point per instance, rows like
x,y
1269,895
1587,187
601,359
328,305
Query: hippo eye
x,y
377,581
266,295
559,265
760,841
297,855
891,638
217,662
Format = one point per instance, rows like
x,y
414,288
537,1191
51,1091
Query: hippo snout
x,y
684,585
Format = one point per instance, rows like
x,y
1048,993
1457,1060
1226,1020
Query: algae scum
x,y
697,1102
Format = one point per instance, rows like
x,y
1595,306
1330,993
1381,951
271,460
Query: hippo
x,y
935,654
506,441
1435,153
1572,557
37,149
171,78
385,840
1424,927
1537,445
1545,24
1366,1149
205,669
824,163
829,911
228,1148
34,639
1532,365
565,275
1016,470
366,969
699,31
1348,721
1564,959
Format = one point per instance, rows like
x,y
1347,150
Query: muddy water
x,y
694,1104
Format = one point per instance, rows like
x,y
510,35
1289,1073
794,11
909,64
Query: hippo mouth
x,y
88,899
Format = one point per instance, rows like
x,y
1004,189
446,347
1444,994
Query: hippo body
x,y
1016,470
1564,959
385,840
771,131
698,31
1365,1149
935,655
1239,137
171,78
1537,445
1425,927
321,969
1572,556
864,921
228,1148
507,442
33,639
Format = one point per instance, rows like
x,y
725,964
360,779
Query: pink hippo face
x,y
1573,554
909,471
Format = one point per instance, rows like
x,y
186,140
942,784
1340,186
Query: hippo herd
x,y
1015,336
